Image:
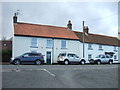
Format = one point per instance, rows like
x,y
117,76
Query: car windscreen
x,y
98,56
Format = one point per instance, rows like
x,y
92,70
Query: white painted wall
x,y
22,45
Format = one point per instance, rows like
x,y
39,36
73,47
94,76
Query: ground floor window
x,y
115,56
89,56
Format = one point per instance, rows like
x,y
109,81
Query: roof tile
x,y
43,31
98,39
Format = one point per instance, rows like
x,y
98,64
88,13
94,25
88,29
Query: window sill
x,y
33,46
90,49
101,49
115,50
63,48
49,47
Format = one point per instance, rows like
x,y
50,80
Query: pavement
x,y
4,63
60,76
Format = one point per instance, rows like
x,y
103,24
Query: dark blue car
x,y
31,58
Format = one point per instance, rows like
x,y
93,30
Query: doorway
x,y
48,57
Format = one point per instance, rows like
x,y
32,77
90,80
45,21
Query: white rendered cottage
x,y
48,40
95,44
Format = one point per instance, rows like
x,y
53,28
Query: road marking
x,y
48,72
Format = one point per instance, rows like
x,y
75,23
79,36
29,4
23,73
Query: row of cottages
x,y
53,40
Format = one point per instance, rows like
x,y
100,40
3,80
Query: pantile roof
x,y
27,29
98,39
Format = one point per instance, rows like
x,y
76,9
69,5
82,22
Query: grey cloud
x,y
57,14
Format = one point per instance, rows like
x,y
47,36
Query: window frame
x,y
34,44
89,55
115,57
90,46
115,49
50,45
62,44
100,47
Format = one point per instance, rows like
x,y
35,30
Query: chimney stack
x,y
86,29
69,25
15,18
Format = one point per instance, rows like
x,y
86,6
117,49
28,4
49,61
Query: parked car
x,y
36,58
102,59
68,58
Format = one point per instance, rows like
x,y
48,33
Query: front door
x,y
48,57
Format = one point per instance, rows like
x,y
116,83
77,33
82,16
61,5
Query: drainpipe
x,y
83,41
52,51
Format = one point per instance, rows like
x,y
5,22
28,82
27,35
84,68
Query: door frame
x,y
51,57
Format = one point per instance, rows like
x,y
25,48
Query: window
x,y
4,44
89,56
107,56
71,55
34,42
115,48
26,55
62,54
49,43
115,56
76,56
63,44
90,46
100,47
102,56
33,54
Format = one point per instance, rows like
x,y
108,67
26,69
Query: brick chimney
x,y
15,18
69,25
86,29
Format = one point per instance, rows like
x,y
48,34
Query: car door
x,y
103,59
25,57
107,58
71,57
76,58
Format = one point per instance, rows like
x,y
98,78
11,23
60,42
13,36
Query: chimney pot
x,y
69,25
15,18
86,29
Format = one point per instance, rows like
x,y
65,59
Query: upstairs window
x,y
63,44
49,43
100,47
90,46
34,42
115,48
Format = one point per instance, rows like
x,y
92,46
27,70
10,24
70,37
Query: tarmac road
x,y
60,76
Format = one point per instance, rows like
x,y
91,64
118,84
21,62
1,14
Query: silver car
x,y
68,58
102,59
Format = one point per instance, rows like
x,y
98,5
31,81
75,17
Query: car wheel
x,y
110,62
66,62
98,62
38,62
17,62
82,62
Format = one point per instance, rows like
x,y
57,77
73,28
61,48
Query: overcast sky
x,y
100,17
